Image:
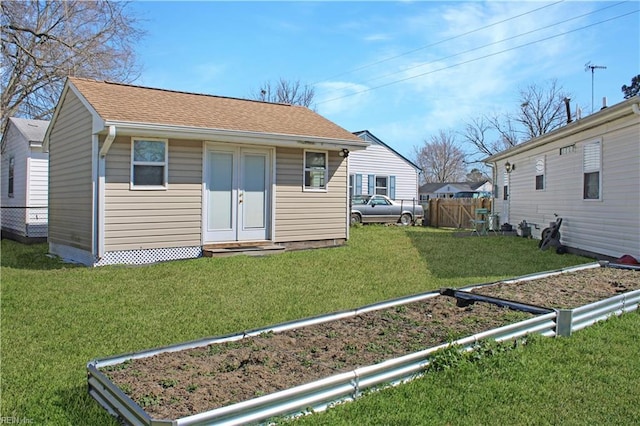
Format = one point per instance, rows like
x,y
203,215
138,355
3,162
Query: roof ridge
x,y
116,83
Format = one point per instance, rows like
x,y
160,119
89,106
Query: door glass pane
x,y
220,191
254,191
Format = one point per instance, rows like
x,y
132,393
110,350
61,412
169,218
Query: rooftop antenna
x,y
593,68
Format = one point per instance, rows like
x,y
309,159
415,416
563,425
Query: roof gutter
x,y
601,117
233,136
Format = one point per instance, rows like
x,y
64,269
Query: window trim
x,y
505,186
11,177
387,188
164,164
306,188
586,170
540,173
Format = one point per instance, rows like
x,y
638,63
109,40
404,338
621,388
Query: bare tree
x,y
285,92
43,42
490,134
440,158
541,109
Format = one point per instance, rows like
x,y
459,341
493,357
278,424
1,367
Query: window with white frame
x,y
591,168
540,173
315,170
352,184
149,159
505,186
10,180
382,185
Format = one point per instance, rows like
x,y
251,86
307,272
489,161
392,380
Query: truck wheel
x,y
355,219
405,219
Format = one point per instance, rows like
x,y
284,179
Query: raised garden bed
x,y
566,290
277,370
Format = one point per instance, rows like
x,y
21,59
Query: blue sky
x,y
402,70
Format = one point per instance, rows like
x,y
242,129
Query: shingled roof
x,y
31,130
117,102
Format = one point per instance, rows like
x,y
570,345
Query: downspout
x,y
108,141
348,208
111,135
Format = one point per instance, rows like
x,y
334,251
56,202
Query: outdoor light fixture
x,y
508,167
344,153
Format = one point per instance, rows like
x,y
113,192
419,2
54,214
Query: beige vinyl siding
x,y
308,215
140,219
70,176
608,226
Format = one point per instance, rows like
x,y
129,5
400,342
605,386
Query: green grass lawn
x,y
56,317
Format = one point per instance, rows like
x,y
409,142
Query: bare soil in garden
x,y
177,384
568,290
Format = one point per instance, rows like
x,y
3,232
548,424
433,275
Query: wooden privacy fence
x,y
454,212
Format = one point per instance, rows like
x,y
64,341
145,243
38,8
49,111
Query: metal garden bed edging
x,y
320,394
317,395
570,320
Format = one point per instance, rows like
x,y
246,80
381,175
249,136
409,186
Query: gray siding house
x,y
587,172
24,180
380,169
140,175
449,189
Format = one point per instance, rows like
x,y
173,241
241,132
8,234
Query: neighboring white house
x,y
380,169
587,172
449,189
25,170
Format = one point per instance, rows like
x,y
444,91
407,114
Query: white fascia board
x,y
231,136
594,120
97,121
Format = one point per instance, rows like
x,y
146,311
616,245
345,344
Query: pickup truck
x,y
381,209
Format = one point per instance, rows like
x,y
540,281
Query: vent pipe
x,y
567,105
604,102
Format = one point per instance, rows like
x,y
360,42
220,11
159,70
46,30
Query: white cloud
x,y
339,97
377,37
452,81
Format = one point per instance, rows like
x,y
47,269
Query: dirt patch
x,y
568,290
178,384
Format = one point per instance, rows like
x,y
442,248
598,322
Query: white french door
x,y
237,194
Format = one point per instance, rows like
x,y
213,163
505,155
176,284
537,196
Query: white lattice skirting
x,y
146,256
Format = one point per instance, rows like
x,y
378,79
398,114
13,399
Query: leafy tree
x,y
43,42
476,175
633,90
285,92
440,158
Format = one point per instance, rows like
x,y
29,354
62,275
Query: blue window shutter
x,y
372,184
392,187
358,187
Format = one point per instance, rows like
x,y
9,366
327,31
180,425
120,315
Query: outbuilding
x,y
141,175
